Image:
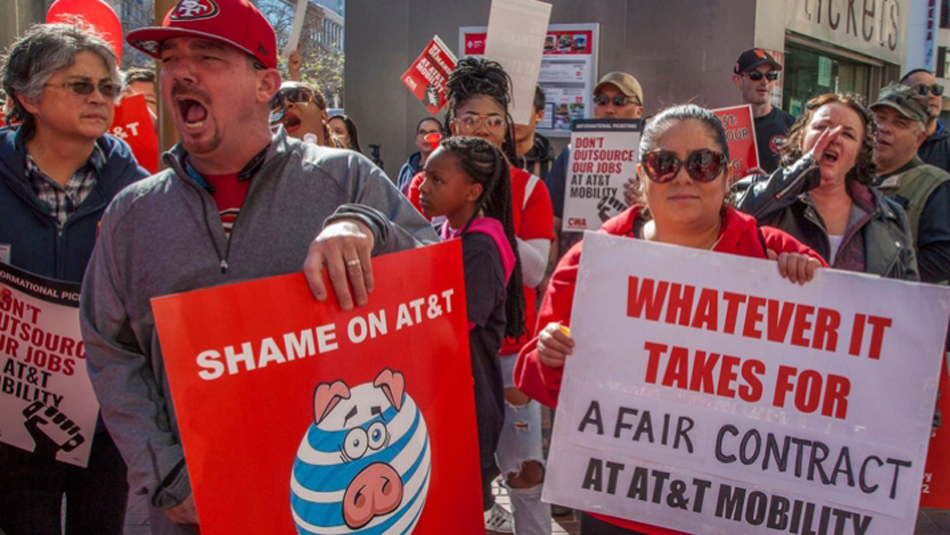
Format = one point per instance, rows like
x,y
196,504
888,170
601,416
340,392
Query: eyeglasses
x,y
84,88
922,89
472,122
618,100
702,165
755,76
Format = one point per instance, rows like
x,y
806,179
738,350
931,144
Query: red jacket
x,y
739,235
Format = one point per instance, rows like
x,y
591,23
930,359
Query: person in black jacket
x,y
821,195
58,171
935,149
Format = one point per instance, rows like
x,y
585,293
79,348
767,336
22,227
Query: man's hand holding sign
x,y
344,248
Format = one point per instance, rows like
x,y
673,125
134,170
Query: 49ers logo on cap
x,y
194,10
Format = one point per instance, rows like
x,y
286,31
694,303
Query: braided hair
x,y
486,165
475,76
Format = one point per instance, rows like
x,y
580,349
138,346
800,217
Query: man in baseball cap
x,y
236,203
935,150
755,74
923,190
618,95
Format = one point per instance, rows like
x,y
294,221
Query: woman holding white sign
x,y
821,194
683,187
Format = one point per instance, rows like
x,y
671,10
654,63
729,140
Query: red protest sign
x,y
427,75
935,491
95,13
133,124
740,135
294,413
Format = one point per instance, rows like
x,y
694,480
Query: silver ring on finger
x,y
353,263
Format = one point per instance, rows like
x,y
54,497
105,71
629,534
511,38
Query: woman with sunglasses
x,y
304,112
58,172
821,195
682,201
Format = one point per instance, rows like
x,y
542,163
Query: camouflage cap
x,y
906,100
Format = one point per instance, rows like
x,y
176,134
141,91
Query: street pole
x,y
167,134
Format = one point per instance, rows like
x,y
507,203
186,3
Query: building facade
x,y
680,50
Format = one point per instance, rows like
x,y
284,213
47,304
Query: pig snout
x,y
375,491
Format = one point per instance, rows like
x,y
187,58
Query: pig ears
x,y
325,398
393,385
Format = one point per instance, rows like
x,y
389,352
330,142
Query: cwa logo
x,y
194,10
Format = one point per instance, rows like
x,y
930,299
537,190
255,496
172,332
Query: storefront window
x,y
809,73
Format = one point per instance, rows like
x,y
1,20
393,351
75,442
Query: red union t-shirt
x,y
229,194
533,219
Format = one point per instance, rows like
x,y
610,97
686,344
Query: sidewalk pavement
x,y
929,521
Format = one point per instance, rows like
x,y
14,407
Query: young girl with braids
x,y
467,181
478,93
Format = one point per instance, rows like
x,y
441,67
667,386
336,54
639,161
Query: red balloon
x,y
96,13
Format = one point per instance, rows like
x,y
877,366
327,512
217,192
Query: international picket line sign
x,y
740,136
295,415
47,405
427,76
604,155
702,401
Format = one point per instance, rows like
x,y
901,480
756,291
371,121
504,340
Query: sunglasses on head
x,y
618,100
108,89
703,165
755,76
922,89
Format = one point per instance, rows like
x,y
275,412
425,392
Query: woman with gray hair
x,y
682,201
58,172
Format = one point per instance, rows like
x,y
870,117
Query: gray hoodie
x,y
164,235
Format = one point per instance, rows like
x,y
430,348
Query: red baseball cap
x,y
234,22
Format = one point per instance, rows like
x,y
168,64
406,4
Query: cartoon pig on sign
x,y
363,465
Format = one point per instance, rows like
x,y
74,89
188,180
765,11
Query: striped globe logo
x,y
363,465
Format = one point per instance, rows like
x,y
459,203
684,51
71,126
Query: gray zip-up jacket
x,y
164,235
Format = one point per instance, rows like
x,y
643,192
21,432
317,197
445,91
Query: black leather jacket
x,y
780,201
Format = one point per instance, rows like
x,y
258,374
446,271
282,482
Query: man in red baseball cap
x,y
236,203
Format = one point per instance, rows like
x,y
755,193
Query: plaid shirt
x,y
62,201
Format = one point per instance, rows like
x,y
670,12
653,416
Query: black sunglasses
x,y
755,76
618,100
298,95
935,89
703,165
108,89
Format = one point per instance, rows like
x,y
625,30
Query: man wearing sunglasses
x,y
935,149
58,172
755,74
617,95
922,190
236,203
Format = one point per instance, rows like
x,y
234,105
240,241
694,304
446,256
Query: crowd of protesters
x,y
844,186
